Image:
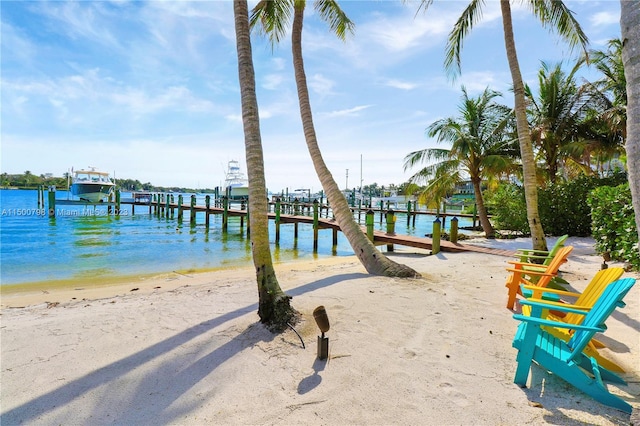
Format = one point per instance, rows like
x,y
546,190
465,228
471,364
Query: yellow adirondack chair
x,y
522,272
583,301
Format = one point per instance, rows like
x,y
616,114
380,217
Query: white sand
x,y
189,350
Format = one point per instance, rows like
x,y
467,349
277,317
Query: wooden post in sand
x,y
391,226
369,222
435,245
454,230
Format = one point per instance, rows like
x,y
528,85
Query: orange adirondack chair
x,y
521,273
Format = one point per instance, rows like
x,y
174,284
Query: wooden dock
x,y
164,206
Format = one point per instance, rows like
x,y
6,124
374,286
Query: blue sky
x,y
149,90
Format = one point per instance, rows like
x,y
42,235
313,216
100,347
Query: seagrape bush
x,y
613,223
562,207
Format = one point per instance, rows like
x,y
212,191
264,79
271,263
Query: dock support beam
x,y
192,210
315,226
52,201
277,223
369,222
391,226
207,203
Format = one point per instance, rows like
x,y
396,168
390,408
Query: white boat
x,y
235,184
91,185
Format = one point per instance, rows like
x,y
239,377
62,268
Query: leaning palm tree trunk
x,y
526,147
630,26
274,308
373,261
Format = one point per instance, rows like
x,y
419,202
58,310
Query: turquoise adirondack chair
x,y
566,359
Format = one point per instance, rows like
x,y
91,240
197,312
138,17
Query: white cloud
x,y
347,112
320,84
403,85
604,18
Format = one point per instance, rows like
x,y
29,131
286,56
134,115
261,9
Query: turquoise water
x,y
86,243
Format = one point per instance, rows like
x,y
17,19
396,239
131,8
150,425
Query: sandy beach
x,y
189,350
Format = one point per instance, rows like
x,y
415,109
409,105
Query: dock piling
x,y
435,247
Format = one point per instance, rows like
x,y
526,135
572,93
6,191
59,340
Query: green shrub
x,y
613,223
562,207
508,208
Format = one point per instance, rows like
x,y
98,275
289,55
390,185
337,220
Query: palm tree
x,y
612,88
556,114
630,26
552,13
480,149
274,308
273,17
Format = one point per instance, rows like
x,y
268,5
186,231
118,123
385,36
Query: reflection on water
x,y
82,244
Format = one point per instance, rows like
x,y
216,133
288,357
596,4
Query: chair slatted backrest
x,y
554,265
593,291
611,297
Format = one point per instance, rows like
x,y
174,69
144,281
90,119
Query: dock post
x,y
409,213
40,197
315,226
192,210
444,216
207,203
475,213
248,223
391,226
52,201
296,207
277,220
243,206
369,222
171,209
381,210
454,230
225,213
415,209
359,210
435,246
180,208
117,212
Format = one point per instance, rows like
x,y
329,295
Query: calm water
x,y
82,244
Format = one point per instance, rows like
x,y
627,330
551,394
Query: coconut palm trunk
x,y
482,209
372,259
630,26
526,147
274,308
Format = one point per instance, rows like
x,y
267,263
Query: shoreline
x,y
435,350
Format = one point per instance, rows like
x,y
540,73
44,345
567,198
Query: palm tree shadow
x,y
177,385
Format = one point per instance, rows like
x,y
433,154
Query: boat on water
x,y
91,185
236,184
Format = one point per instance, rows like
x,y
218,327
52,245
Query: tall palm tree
x,y
273,16
556,113
630,26
480,148
551,13
274,308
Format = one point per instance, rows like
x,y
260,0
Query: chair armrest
x,y
563,307
525,264
528,272
529,252
556,324
537,289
